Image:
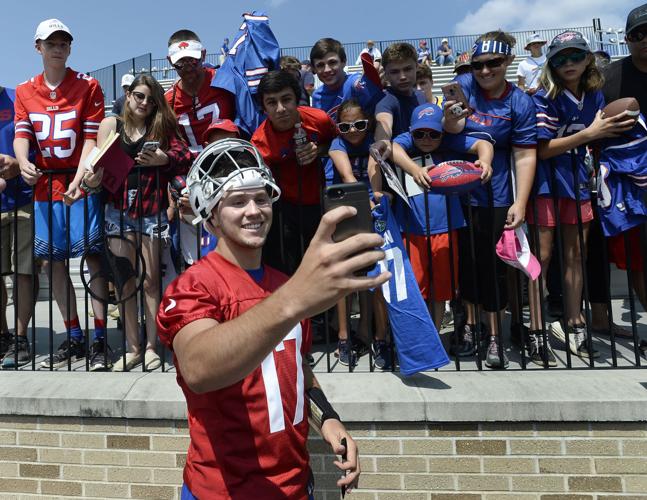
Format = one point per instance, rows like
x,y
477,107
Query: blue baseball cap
x,y
427,116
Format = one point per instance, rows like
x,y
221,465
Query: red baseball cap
x,y
226,125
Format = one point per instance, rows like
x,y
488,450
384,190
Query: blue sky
x,y
109,32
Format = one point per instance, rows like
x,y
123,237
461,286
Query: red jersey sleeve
x,y
23,126
328,129
93,111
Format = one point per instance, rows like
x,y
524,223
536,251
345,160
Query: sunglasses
x,y
140,97
421,134
575,58
187,62
637,35
491,64
359,125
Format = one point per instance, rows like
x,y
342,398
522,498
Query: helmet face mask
x,y
245,169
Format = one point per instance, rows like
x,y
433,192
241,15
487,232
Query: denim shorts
x,y
149,225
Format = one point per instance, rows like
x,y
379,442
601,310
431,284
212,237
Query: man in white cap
x,y
444,54
529,69
196,103
371,50
58,114
126,80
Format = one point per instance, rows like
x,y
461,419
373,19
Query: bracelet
x,y
320,408
89,189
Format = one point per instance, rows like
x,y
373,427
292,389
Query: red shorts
x,y
440,263
567,211
617,253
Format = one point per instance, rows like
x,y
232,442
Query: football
x,y
454,177
629,104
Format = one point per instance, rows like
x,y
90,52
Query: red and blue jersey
x,y
17,192
506,122
561,117
355,86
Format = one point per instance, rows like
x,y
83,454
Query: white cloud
x,y
520,15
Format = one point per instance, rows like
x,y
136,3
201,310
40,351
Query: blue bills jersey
x,y
355,86
416,338
506,122
564,116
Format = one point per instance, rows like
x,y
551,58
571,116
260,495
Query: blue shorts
x,y
80,234
148,225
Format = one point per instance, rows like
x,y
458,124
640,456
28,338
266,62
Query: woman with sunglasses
x,y
349,155
137,211
568,119
504,115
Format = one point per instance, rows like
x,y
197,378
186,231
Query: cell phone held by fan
x,y
452,91
355,195
150,146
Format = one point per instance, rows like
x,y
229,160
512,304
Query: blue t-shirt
x,y
505,122
358,156
355,86
414,221
562,117
400,106
17,192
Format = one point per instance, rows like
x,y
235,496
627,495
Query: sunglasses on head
x,y
422,133
575,57
637,35
491,64
140,97
187,62
359,125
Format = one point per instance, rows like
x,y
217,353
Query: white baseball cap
x,y
444,40
50,26
127,80
534,38
185,48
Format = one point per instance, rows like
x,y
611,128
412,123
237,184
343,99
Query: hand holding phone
x,y
452,91
150,146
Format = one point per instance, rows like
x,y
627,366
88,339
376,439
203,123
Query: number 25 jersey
x,y
58,122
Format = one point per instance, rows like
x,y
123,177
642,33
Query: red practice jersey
x,y
195,114
248,440
299,184
58,122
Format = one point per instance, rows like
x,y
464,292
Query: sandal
x,y
132,360
151,361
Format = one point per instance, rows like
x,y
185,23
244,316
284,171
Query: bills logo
x,y
183,45
565,37
359,84
426,112
451,174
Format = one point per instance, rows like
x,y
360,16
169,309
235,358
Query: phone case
x,y
453,92
355,195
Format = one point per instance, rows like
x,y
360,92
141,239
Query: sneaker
x,y
492,358
381,355
539,351
346,354
73,350
466,345
557,330
578,342
100,360
359,347
13,358
6,340
448,320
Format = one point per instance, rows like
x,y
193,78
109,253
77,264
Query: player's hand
x,y
72,194
333,431
612,126
377,196
383,147
422,178
30,173
515,217
93,179
331,265
307,153
150,158
487,170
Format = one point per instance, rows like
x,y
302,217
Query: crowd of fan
x,y
521,136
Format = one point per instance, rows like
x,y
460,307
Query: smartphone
x,y
452,91
355,195
150,145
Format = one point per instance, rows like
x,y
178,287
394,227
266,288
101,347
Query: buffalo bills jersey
x,y
416,338
561,117
507,121
357,156
253,53
196,113
622,180
17,192
58,122
429,216
248,440
356,86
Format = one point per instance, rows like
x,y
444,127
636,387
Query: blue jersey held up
x,y
355,86
416,338
562,117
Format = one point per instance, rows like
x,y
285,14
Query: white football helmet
x,y
206,190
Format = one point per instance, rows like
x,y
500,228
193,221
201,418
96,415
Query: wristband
x,y
320,408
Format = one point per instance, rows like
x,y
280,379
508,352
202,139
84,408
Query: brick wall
x,y
126,458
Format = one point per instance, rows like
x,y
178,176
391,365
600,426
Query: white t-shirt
x,y
530,69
